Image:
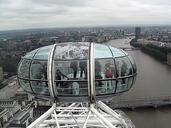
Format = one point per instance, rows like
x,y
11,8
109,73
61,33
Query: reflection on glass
x,y
43,53
38,70
134,79
98,73
71,51
124,67
63,71
133,64
71,77
23,70
104,68
105,87
72,88
117,52
25,85
83,68
74,67
102,51
124,86
130,82
40,87
121,85
124,52
30,54
71,70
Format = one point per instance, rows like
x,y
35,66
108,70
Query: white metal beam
x,y
84,126
42,117
50,71
108,123
77,115
111,112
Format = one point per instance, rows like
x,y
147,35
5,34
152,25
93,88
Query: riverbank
x,y
156,51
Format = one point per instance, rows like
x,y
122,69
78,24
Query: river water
x,y
153,80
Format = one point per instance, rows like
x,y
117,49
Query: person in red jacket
x,y
108,72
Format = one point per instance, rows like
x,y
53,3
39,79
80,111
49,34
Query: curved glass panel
x,y
38,73
40,87
124,52
124,69
102,51
43,53
30,54
25,85
71,77
71,70
134,79
133,64
105,86
23,69
121,86
130,81
117,52
104,69
71,51
72,88
38,70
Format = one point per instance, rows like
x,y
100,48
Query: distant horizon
x,y
98,26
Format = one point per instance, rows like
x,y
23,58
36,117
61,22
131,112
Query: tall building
x,y
137,33
1,74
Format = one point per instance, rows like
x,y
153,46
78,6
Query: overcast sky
x,y
21,14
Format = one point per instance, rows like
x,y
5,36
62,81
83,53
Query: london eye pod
x,y
76,72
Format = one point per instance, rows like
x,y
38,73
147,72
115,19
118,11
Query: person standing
x,y
123,70
83,68
74,67
108,74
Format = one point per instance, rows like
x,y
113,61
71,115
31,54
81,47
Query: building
x,y
10,89
39,110
11,105
4,116
137,33
169,59
22,119
8,108
1,74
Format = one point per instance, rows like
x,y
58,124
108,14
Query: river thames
x,y
153,80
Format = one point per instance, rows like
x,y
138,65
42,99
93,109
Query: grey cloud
x,y
4,1
30,9
62,13
155,2
62,2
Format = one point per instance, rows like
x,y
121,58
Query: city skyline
x,y
22,14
